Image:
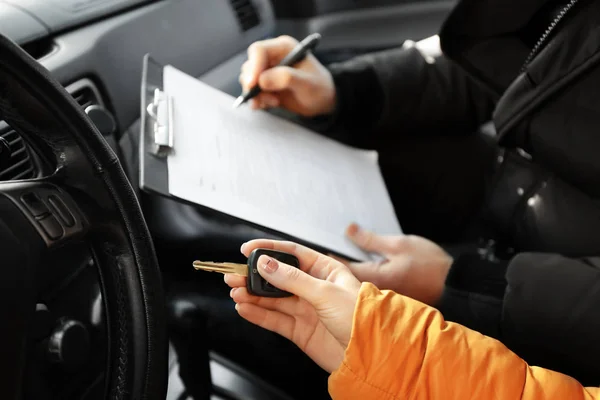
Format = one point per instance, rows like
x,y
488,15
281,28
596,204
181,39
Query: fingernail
x,y
237,307
243,247
268,264
231,292
352,229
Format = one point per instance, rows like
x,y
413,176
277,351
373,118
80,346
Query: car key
x,y
255,283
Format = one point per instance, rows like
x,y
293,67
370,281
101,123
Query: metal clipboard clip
x,y
161,113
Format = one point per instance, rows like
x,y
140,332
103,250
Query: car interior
x,y
95,49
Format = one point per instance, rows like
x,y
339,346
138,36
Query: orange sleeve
x,y
403,349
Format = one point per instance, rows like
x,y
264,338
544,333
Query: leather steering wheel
x,y
90,200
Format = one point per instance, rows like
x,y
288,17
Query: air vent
x,y
246,13
85,97
86,93
21,165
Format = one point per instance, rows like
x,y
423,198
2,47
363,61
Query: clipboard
x,y
156,129
158,141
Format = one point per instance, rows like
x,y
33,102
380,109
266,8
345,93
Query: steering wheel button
x,y
52,228
33,203
61,210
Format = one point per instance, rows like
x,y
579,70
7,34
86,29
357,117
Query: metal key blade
x,y
223,268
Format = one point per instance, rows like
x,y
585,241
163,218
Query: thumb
x,y
290,279
282,78
372,242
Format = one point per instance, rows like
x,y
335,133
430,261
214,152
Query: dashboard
x,y
105,40
43,17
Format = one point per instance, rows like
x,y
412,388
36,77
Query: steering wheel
x,y
86,199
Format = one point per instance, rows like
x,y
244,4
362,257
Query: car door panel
x,y
354,27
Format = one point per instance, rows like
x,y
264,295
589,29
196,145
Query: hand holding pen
x,y
282,72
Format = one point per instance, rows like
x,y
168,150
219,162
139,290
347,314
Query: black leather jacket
x,y
545,193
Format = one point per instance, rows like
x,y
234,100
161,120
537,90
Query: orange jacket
x,y
403,349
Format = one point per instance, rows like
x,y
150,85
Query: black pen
x,y
295,56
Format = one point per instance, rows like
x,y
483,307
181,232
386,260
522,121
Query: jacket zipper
x,y
542,40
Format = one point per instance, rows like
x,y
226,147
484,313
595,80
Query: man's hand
x,y
319,318
414,266
306,88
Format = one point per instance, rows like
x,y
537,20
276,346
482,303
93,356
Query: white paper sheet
x,y
271,172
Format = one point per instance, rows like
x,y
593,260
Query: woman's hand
x,y
413,266
319,318
307,88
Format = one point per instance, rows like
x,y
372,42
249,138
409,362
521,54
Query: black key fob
x,y
255,283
